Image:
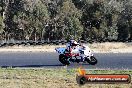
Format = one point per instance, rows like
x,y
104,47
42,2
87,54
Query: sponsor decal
x,y
83,78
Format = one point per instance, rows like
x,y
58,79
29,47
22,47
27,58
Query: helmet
x,y
73,43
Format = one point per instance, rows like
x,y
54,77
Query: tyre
x,y
92,60
64,59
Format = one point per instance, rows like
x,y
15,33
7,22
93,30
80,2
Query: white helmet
x,y
74,43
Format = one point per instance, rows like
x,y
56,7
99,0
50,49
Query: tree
x,y
70,16
33,20
125,22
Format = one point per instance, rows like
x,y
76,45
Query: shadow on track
x,y
39,66
26,66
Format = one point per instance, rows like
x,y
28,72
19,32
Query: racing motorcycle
x,y
66,58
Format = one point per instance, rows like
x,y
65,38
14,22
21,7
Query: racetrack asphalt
x,y
50,60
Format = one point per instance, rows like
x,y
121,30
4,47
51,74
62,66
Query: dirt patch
x,y
106,47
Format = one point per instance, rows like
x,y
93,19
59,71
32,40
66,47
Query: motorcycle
x,y
66,58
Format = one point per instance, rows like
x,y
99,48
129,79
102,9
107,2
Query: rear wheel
x,y
64,59
92,60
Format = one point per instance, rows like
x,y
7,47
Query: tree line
x,y
89,20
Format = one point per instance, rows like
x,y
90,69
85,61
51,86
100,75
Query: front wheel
x,y
64,59
92,60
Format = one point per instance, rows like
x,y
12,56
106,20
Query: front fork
x,y
88,57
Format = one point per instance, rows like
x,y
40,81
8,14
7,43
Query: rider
x,y
71,46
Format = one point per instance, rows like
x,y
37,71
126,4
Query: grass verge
x,y
52,78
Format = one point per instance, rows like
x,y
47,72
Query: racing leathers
x,y
71,46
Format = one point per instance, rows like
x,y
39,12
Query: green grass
x,y
52,78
